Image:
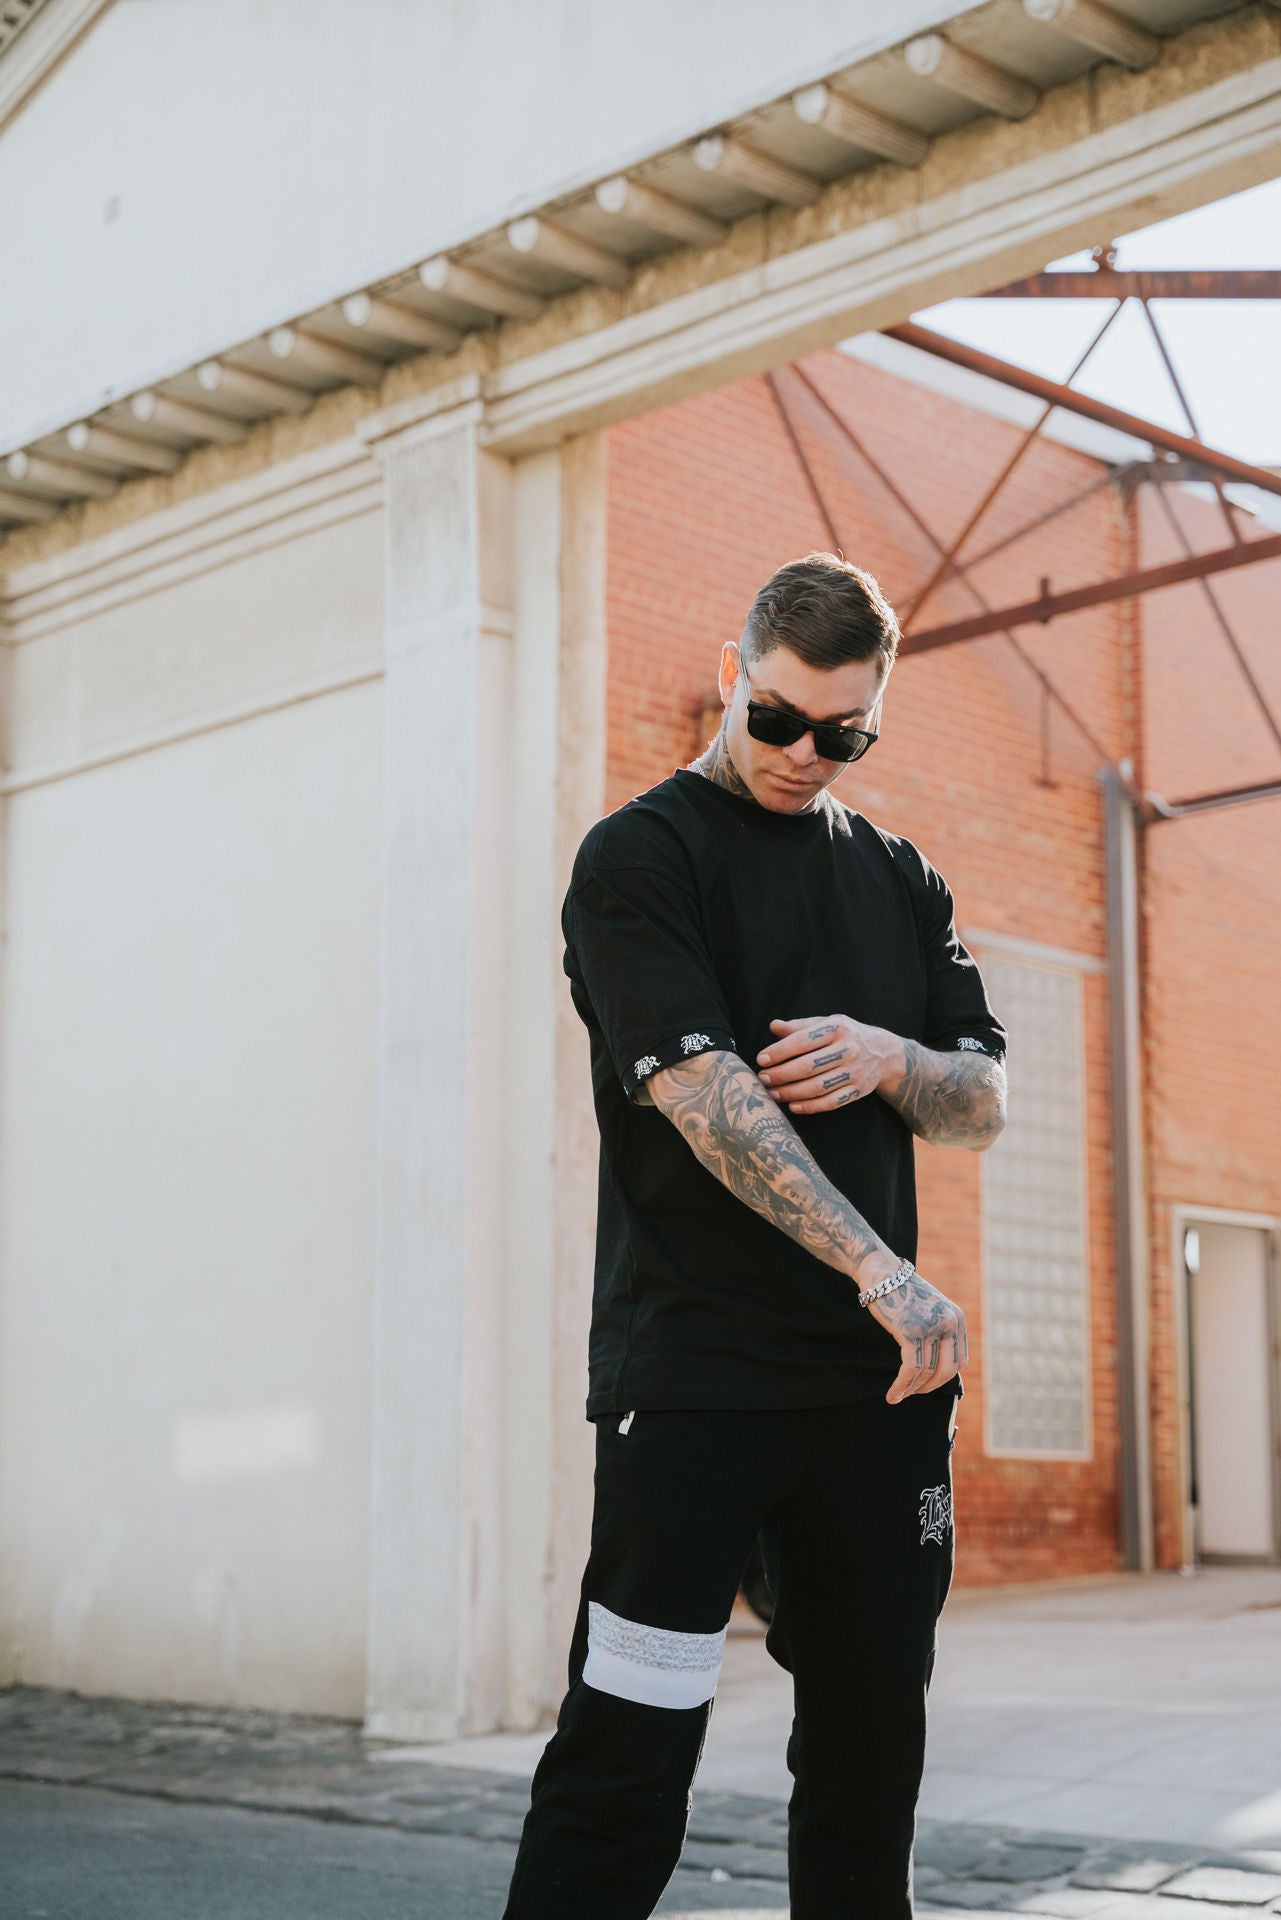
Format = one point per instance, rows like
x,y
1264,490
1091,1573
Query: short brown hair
x,y
823,609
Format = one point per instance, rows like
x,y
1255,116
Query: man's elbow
x,y
983,1138
990,1124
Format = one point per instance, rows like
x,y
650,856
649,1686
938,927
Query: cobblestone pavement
x,y
327,1770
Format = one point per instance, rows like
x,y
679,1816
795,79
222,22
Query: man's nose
x,y
802,753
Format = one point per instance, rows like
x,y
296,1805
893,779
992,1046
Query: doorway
x,y
1233,1390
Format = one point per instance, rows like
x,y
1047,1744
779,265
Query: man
x,y
777,1001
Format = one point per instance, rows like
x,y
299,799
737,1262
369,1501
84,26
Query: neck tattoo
x,y
717,765
719,768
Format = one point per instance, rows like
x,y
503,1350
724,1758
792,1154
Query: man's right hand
x,y
736,1129
930,1330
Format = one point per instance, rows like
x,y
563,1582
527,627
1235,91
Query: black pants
x,y
853,1507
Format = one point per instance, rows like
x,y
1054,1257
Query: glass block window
x,y
1036,1316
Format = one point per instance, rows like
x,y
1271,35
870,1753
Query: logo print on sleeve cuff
x,y
645,1065
695,1042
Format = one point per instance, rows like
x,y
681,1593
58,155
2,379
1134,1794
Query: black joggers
x,y
853,1505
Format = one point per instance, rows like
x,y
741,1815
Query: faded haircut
x,y
823,609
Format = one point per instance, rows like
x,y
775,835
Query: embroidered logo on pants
x,y
936,1513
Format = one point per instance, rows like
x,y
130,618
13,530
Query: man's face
x,y
787,779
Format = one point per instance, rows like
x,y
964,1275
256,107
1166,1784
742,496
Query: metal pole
x,y
1121,836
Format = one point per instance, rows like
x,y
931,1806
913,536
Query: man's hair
x,y
823,609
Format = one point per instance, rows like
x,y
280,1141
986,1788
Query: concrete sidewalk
x,y
1142,1708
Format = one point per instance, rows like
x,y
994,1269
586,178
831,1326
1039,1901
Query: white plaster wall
x,y
199,170
188,1116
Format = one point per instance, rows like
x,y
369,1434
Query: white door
x,y
1233,1438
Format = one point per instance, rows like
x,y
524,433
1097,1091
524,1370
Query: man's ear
x,y
728,678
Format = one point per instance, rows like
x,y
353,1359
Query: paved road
x,y
1146,1701
75,1853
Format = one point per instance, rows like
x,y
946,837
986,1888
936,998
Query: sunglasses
x,y
775,727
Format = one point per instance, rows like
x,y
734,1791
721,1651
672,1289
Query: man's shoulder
x,y
870,839
921,876
649,830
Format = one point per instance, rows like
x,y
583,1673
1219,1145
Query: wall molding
x,y
39,48
1186,1213
291,695
320,488
1018,948
421,417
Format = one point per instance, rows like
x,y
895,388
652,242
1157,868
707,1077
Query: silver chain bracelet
x,y
904,1272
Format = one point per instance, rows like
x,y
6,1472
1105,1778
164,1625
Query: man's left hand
x,y
818,1064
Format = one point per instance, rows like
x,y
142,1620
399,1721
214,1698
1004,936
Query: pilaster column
x,y
435,1630
558,771
494,769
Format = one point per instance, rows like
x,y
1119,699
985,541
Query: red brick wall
x,y
1212,927
706,498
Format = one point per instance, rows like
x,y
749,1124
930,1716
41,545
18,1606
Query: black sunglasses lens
x,y
834,744
774,729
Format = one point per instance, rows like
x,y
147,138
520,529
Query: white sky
x,y
1227,353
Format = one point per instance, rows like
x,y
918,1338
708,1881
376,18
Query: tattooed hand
x,y
823,1062
930,1330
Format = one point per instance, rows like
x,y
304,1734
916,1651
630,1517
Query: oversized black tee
x,y
693,919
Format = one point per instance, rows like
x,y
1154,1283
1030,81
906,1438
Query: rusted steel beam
x,y
1155,809
948,561
1123,587
1129,474
1220,617
1090,409
1225,505
1248,283
1048,688
811,479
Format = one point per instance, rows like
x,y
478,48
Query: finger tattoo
x,y
835,1080
822,1060
820,1033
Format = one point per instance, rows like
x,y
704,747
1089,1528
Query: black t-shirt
x,y
692,920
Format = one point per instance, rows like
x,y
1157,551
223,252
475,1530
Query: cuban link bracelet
x,y
899,1278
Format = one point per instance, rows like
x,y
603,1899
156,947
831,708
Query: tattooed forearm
x,y
952,1099
739,1134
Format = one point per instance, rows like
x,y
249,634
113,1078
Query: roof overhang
x,y
923,172
34,36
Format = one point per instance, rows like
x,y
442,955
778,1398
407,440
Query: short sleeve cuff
x,y
671,1050
973,1042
